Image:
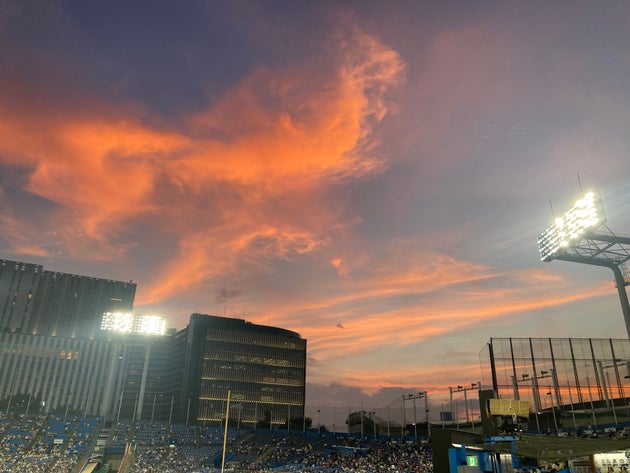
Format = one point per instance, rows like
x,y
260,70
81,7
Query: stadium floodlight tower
x,y
582,236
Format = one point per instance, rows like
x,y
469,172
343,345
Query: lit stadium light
x,y
152,324
586,215
133,323
117,322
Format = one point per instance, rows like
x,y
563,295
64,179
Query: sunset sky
x,y
370,174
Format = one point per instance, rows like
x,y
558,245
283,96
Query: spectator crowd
x,y
40,444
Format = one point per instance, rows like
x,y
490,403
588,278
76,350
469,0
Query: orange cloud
x,y
232,185
371,328
15,230
407,299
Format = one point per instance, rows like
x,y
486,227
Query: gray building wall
x,y
40,302
55,374
126,376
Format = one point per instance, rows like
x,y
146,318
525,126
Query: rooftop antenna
x,y
551,207
580,183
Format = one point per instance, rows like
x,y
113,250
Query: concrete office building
x,y
40,302
262,368
56,374
131,376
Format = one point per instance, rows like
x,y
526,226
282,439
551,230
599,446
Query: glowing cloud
x,y
252,164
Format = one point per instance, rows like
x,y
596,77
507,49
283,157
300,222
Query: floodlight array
x,y
586,215
133,323
117,322
152,324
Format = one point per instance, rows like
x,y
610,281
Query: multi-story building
x,y
133,376
52,374
40,302
68,343
261,369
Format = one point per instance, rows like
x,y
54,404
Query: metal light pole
x,y
553,410
404,418
11,389
29,402
612,400
373,418
458,390
590,396
362,415
413,397
606,385
135,407
415,420
466,405
426,411
472,386
120,405
153,409
535,395
67,405
572,408
187,411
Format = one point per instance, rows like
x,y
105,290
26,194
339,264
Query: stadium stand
x,y
40,444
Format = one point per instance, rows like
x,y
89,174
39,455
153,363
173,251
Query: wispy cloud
x,y
232,185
